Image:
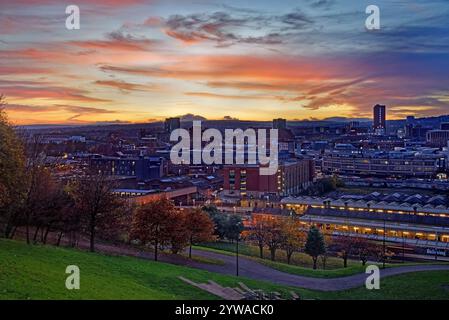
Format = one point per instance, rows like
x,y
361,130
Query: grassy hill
x,y
38,272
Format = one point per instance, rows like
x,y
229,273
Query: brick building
x,y
293,175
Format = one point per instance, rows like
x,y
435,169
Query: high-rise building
x,y
279,123
172,124
379,119
444,126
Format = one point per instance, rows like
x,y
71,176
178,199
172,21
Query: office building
x,y
143,168
293,175
400,163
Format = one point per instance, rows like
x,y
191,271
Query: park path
x,y
252,269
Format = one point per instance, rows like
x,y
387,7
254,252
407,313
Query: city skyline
x,y
141,61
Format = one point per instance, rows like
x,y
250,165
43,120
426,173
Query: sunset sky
x,y
144,60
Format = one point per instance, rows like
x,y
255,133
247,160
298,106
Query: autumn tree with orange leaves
x,y
259,231
153,223
294,237
199,227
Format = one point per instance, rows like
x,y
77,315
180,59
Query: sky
x,y
135,61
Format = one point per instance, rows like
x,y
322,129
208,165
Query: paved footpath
x,y
252,269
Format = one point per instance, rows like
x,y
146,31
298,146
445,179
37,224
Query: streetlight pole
x,y
403,247
237,256
436,246
383,256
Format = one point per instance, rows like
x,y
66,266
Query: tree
x,y
378,254
327,242
233,227
325,185
152,223
220,224
274,236
219,220
69,219
199,227
39,186
227,226
96,202
211,210
55,215
259,231
364,249
345,247
315,245
43,204
12,172
178,235
294,237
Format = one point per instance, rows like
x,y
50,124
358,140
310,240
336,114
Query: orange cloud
x,y
23,70
120,43
60,93
232,66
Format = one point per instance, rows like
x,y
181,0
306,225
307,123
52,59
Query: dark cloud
x,y
225,29
322,3
295,20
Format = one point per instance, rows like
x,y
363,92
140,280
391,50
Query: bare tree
x,y
37,182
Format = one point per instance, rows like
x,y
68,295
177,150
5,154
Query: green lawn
x,y
309,272
431,285
38,272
